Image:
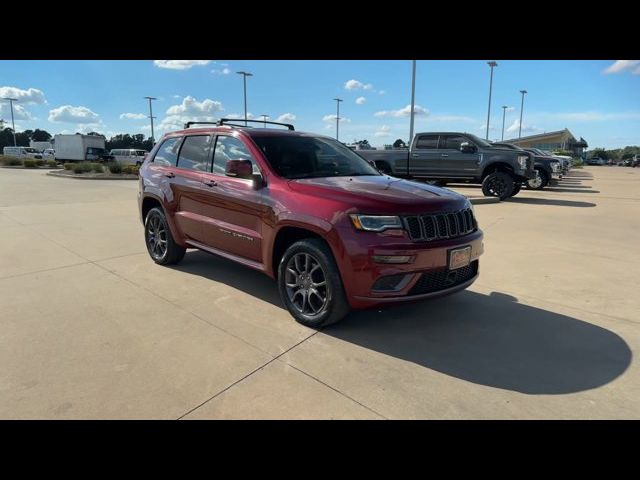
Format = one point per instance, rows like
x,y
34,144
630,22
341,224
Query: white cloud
x,y
525,128
240,115
450,118
361,100
403,112
624,65
384,131
132,116
224,70
177,96
382,92
286,117
71,114
332,118
357,85
179,64
31,95
190,110
19,113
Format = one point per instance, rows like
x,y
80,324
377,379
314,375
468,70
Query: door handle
x,y
210,183
415,155
170,175
444,155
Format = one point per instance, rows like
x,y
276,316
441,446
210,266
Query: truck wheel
x,y
436,183
538,182
516,189
310,285
497,184
160,243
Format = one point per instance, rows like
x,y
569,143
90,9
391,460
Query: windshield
x,y
311,157
478,141
96,151
31,150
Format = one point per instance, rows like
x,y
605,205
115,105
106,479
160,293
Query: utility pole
x,y
244,78
264,119
151,117
13,125
523,92
491,64
413,105
504,113
338,100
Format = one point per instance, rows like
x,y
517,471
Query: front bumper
x,y
360,273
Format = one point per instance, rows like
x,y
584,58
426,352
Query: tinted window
x,y
230,148
312,157
194,154
454,141
427,141
167,154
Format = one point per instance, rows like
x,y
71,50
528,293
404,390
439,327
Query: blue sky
x,y
598,100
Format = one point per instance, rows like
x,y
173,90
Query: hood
x,y
381,194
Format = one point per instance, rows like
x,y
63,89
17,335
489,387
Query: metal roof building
x,y
559,140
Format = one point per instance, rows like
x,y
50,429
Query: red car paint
x,y
227,216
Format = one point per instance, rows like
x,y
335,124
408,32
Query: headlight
x,y
522,160
375,223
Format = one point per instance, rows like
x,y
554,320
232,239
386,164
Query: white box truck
x,y
74,148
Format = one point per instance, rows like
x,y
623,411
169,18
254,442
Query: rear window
x,y
427,142
194,154
167,154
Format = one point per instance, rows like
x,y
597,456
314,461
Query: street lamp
x,y
338,100
244,78
523,92
413,100
153,137
504,113
491,64
264,119
13,125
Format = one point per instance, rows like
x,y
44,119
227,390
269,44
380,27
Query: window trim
x,y
184,138
180,138
213,157
438,136
443,139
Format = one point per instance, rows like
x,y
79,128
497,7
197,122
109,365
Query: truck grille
x,y
444,278
440,226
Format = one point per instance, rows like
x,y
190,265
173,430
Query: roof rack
x,y
227,121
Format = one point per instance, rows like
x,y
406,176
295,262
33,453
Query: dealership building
x,y
560,140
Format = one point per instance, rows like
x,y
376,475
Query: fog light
x,y
392,258
392,283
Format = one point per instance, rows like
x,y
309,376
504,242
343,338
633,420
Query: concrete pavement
x,y
92,328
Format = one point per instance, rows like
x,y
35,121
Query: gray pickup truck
x,y
452,157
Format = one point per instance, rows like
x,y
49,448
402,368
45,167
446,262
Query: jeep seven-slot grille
x,y
440,226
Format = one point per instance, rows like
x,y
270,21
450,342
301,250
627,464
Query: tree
x,y
40,135
600,153
399,143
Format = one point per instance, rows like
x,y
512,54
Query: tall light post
x,y
338,100
151,117
264,119
523,92
504,114
491,64
244,78
13,125
413,99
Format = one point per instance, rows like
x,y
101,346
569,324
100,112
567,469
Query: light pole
x,y
523,92
504,113
491,64
244,78
153,137
264,119
338,100
413,98
13,125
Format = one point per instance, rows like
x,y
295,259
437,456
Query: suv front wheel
x,y
310,285
160,243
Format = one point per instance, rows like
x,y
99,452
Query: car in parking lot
x,y
49,154
596,161
128,156
547,168
22,152
334,232
446,157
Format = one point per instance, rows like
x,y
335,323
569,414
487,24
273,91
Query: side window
x,y
230,148
167,154
427,142
194,154
453,142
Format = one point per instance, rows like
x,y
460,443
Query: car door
x,y
424,157
456,163
233,209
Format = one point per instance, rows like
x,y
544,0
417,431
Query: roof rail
x,y
227,121
188,124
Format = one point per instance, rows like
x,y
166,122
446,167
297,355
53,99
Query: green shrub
x,y
10,161
131,169
68,166
29,163
115,167
97,167
52,163
40,163
82,167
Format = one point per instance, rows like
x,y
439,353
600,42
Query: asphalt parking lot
x,y
92,328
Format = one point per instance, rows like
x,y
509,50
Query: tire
x,y
306,263
540,181
516,189
497,184
161,246
436,183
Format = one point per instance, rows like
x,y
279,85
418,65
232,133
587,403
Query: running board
x,y
229,256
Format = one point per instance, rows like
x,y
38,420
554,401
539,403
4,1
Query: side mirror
x,y
258,181
239,168
466,147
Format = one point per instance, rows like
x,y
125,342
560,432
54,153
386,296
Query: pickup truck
x,y
441,157
547,168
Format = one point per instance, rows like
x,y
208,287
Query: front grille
x,y
444,278
440,226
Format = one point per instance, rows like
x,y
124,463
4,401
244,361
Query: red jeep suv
x,y
309,212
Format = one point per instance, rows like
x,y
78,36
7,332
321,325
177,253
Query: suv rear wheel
x,y
310,285
497,184
160,243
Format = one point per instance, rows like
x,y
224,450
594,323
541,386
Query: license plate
x,y
459,258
